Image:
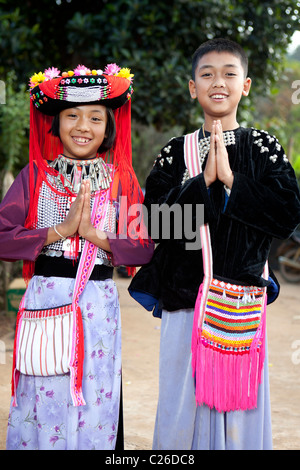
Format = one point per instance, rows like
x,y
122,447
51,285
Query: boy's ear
x,y
192,88
247,86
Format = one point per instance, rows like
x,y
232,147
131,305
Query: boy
x,y
60,217
250,195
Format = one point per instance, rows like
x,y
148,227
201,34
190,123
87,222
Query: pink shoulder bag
x,y
228,339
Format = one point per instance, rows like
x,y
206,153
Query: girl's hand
x,y
86,228
69,226
210,172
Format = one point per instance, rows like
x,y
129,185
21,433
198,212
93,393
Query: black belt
x,y
48,266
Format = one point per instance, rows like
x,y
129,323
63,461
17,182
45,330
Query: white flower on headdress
x,y
81,70
51,72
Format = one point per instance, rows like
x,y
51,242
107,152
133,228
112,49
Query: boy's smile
x,y
218,97
82,130
219,85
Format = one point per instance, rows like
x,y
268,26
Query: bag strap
x,y
193,164
191,153
86,265
89,253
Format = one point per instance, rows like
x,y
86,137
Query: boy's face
x,y
219,85
82,130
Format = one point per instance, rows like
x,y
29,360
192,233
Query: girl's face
x,y
82,130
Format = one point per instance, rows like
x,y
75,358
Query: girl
x,y
60,217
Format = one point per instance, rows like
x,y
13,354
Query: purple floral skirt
x,y
45,417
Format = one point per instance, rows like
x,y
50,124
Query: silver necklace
x,y
76,171
204,143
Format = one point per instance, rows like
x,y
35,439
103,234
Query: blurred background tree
x,y
14,123
156,40
279,111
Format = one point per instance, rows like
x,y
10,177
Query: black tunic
x,y
264,202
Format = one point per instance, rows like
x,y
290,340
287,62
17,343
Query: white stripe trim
x,y
83,94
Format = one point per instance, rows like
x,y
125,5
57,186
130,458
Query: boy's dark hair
x,y
110,131
219,45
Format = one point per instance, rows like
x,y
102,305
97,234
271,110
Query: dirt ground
x,y
140,369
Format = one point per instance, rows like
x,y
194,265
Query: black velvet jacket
x,y
264,202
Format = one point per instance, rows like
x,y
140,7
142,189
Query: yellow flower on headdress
x,y
36,79
125,73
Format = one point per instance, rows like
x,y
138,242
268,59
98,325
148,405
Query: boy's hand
x,y
210,172
224,172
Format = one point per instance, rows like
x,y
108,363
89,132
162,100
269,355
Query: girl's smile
x,y
81,140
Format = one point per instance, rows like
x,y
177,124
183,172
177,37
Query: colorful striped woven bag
x,y
228,340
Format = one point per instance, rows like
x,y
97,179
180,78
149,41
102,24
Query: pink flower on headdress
x,y
51,72
81,70
112,69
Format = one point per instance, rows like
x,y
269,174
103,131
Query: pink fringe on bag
x,y
227,381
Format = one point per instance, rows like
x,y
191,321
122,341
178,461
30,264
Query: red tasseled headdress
x,y
55,94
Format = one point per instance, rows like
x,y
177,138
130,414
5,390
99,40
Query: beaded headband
x,y
51,92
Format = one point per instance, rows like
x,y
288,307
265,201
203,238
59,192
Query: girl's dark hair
x,y
219,45
110,131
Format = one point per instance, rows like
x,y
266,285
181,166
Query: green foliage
x,y
279,112
296,54
296,166
147,143
21,41
157,41
14,125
